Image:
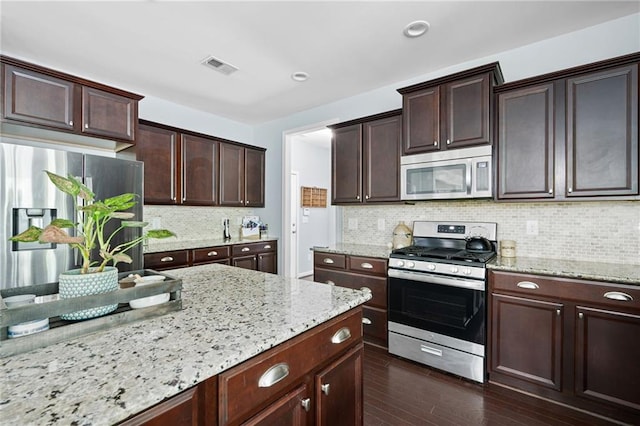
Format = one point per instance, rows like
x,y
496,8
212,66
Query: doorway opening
x,y
306,163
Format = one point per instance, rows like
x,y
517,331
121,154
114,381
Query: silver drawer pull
x,y
273,375
618,295
212,253
366,321
341,335
325,388
528,285
268,246
167,259
330,282
366,265
431,351
366,289
306,404
327,261
245,249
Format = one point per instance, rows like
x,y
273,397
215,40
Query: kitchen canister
x,y
507,248
401,235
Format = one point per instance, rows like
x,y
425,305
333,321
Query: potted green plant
x,y
94,277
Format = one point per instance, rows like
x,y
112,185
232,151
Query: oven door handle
x,y
436,279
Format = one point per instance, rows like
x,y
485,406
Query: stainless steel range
x,y
437,296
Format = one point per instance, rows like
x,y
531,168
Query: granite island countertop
x,y
230,315
171,244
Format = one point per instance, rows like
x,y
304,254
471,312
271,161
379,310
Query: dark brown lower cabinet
x,y
245,262
287,411
571,341
181,410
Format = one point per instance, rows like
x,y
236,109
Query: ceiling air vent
x,y
218,65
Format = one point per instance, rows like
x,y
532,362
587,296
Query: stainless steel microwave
x,y
451,174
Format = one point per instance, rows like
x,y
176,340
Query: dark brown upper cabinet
x,y
35,96
569,135
199,170
451,112
365,159
158,148
242,171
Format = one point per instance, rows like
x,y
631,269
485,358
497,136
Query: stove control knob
x,y
466,271
454,270
400,263
411,265
431,267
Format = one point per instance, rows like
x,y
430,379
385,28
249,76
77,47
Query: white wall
x,y
313,164
614,38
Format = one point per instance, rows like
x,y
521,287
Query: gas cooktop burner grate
x,y
444,253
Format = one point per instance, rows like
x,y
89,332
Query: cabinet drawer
x,y
377,285
374,325
262,379
368,265
584,291
166,260
253,248
330,260
209,254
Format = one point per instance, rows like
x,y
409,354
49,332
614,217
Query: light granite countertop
x,y
366,250
171,244
597,271
230,314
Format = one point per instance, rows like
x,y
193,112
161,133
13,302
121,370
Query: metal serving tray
x,y
61,330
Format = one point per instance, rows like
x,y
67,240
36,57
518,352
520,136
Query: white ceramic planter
x,y
74,284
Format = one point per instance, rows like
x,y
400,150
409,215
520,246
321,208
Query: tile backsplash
x,y
195,223
601,231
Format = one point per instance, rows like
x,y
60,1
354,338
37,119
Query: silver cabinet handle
x,y
212,253
306,404
245,249
246,202
325,388
618,295
330,282
268,246
366,265
558,312
357,197
551,191
570,190
71,123
86,126
431,351
365,289
327,261
528,285
448,141
366,197
167,259
273,375
435,143
581,315
341,335
366,321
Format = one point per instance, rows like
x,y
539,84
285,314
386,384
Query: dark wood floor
x,y
398,392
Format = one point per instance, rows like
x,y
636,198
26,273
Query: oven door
x,y
449,306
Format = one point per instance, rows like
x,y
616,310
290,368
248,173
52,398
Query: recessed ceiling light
x,y
300,76
416,29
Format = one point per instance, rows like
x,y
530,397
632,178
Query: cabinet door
x,y
231,175
526,143
602,133
338,390
246,262
526,340
467,112
382,139
606,358
421,121
38,98
346,164
199,170
108,114
290,410
254,178
267,262
158,149
181,409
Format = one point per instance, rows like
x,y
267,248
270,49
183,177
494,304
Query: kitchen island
x,y
229,316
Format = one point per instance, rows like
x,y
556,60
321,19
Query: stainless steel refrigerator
x,y
27,197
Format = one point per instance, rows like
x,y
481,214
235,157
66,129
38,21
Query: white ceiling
x,y
155,48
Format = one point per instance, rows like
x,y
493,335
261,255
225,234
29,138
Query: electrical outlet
x,y
532,227
353,224
380,224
